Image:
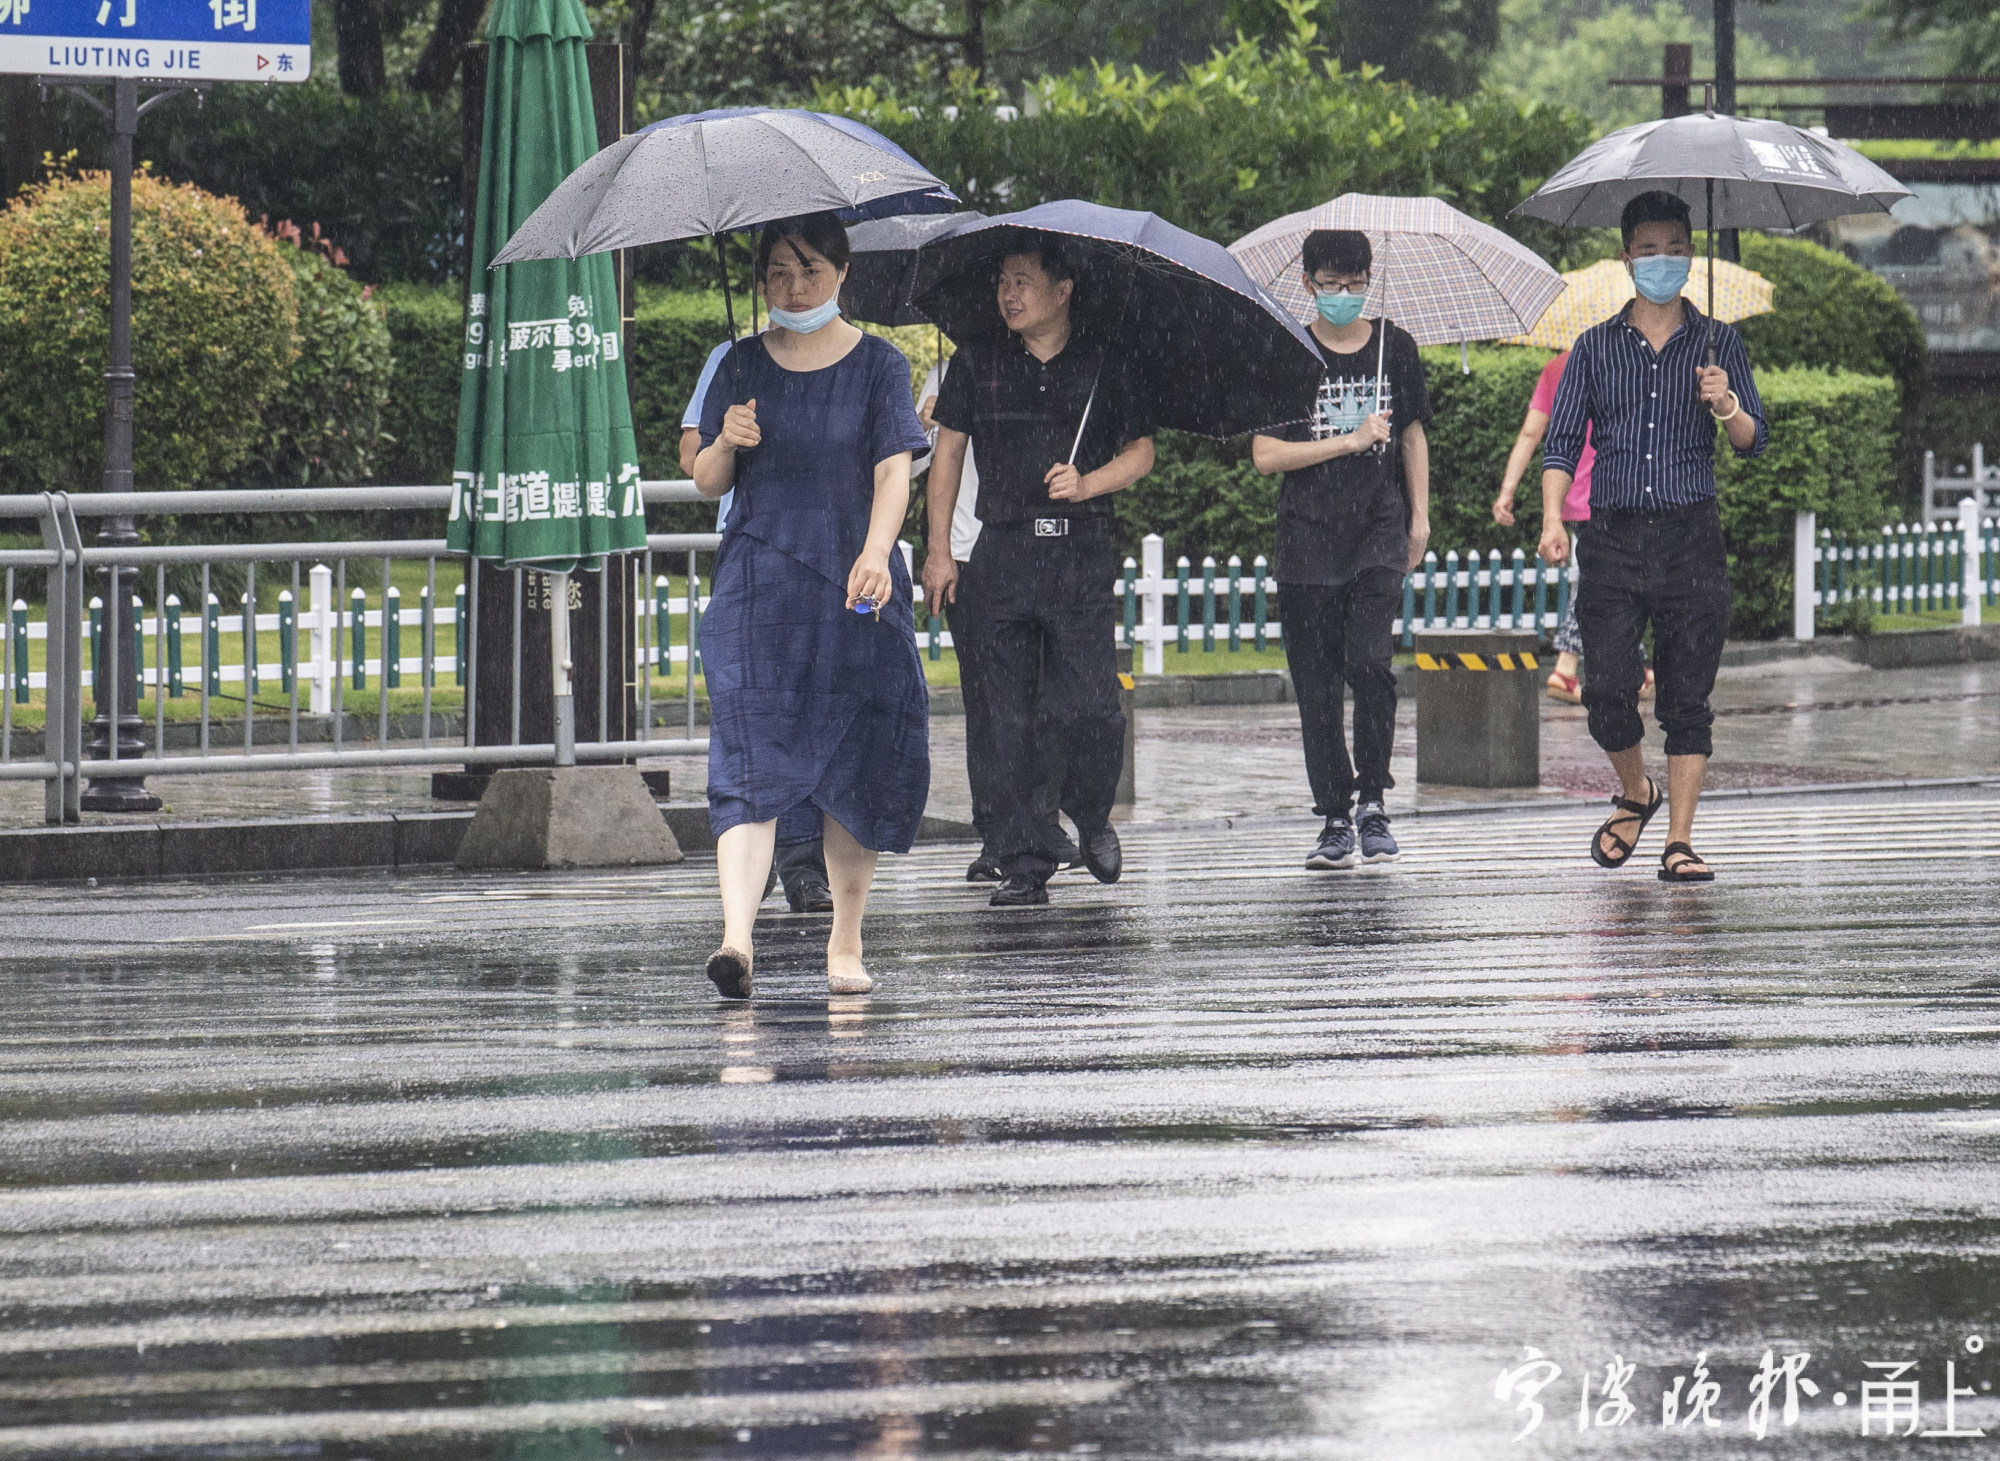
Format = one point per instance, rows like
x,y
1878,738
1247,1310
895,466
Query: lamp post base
x,y
118,794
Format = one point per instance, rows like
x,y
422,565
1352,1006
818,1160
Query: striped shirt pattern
x,y
1655,440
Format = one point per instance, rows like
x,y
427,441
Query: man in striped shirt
x,y
1652,383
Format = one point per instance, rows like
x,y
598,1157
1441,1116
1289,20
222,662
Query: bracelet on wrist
x,y
1735,406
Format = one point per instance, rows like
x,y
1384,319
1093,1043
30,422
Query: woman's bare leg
x,y
850,869
743,866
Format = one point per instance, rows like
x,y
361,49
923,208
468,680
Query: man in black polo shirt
x,y
1059,427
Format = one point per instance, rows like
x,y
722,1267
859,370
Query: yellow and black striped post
x,y
1479,708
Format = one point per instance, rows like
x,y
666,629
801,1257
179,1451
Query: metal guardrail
x,y
323,633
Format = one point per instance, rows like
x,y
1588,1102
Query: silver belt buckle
x,y
1052,527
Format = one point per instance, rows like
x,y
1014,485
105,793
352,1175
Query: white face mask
x,y
805,321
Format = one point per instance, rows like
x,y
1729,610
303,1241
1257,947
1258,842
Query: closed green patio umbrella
x,y
547,467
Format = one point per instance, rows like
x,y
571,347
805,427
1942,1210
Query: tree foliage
x,y
214,325
1255,131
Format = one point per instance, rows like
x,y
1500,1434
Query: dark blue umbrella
x,y
882,264
1220,356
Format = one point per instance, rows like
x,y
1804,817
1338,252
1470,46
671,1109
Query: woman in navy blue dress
x,y
811,703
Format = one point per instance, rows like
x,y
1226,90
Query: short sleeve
x,y
691,418
1413,398
892,418
1544,398
719,394
954,408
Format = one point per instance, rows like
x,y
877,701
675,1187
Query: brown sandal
x,y
1644,811
729,971
1672,871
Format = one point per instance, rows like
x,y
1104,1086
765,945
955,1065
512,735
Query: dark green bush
x,y
421,419
1831,314
324,426
1262,128
214,314
1830,453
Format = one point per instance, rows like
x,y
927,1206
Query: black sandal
x,y
1675,872
1645,811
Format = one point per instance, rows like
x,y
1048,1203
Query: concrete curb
x,y
389,841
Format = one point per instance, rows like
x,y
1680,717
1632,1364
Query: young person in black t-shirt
x,y
1059,425
1353,518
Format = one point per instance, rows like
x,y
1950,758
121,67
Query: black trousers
x,y
1035,633
1338,636
801,850
1670,571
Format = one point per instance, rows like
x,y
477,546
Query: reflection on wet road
x,y
1231,1160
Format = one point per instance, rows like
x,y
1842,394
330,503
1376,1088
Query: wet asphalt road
x,y
1231,1160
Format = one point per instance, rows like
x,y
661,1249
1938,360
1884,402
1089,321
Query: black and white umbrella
x,y
882,267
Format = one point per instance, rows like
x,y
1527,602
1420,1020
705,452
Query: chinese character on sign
x,y
567,500
542,332
14,11
1952,1391
1701,1397
561,361
1891,1398
594,501
1766,1379
234,12
1614,1408
610,345
564,335
478,306
534,496
1528,1380
517,337
284,60
628,478
578,306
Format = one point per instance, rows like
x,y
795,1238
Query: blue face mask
x,y
1341,309
1660,277
805,321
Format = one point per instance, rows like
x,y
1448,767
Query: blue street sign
x,y
165,40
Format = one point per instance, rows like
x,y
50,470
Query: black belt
x,y
1056,527
1656,514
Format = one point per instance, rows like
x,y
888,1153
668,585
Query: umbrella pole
x,y
1711,272
728,311
559,668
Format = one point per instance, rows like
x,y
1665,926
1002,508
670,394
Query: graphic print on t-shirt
x,y
1345,402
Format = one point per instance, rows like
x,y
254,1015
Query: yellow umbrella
x,y
1595,294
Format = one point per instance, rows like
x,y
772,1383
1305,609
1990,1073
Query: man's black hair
x,y
1338,251
1047,249
1655,207
822,231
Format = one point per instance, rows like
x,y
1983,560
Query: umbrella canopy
x,y
883,268
937,199
1219,354
715,175
1442,276
1764,174
547,467
1595,294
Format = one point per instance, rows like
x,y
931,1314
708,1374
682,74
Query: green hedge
x,y
1831,452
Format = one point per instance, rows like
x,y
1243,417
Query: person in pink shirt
x,y
1563,683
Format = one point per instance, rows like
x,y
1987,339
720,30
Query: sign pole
x,y
114,732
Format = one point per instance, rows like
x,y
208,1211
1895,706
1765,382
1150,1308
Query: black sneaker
x,y
1376,843
1336,845
1020,891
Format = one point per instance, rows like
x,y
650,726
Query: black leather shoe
x,y
811,895
984,869
1102,854
1019,891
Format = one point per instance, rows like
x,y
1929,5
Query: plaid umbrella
x,y
1442,276
1600,291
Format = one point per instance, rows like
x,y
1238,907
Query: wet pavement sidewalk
x,y
1814,721
1230,1160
